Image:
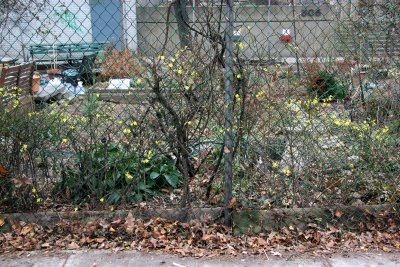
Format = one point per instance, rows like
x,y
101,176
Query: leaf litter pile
x,y
196,238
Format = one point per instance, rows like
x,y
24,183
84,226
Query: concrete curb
x,y
106,258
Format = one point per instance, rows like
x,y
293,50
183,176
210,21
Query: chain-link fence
x,y
286,112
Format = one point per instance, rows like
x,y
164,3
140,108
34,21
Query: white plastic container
x,y
124,84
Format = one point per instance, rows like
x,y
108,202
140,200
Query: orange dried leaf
x,y
338,212
232,203
207,237
3,171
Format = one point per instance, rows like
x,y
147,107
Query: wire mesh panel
x,y
127,106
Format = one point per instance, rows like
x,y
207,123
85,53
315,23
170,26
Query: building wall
x,y
129,24
16,39
261,27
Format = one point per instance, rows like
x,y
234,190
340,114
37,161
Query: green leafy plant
x,y
162,173
115,173
325,84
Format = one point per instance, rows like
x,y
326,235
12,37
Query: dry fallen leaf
x,y
45,245
73,245
261,241
276,253
100,239
206,237
215,199
338,212
232,203
20,181
26,229
3,171
2,221
129,223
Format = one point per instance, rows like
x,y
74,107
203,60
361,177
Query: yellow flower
x,y
179,71
127,131
314,101
39,199
173,59
287,171
171,65
120,122
97,95
274,165
102,199
75,209
34,190
128,176
64,141
238,76
146,161
139,81
134,123
97,115
16,103
259,94
237,96
24,148
187,88
162,57
338,122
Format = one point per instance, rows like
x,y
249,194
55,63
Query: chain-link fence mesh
x,y
110,103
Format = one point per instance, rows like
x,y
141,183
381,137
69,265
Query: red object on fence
x,y
285,38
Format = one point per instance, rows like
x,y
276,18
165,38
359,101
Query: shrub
x,y
24,135
119,64
384,104
325,84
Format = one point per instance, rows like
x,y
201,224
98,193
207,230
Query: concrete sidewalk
x,y
104,258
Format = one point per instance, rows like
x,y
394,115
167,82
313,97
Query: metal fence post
x,y
228,112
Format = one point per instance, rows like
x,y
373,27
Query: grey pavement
x,y
104,258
